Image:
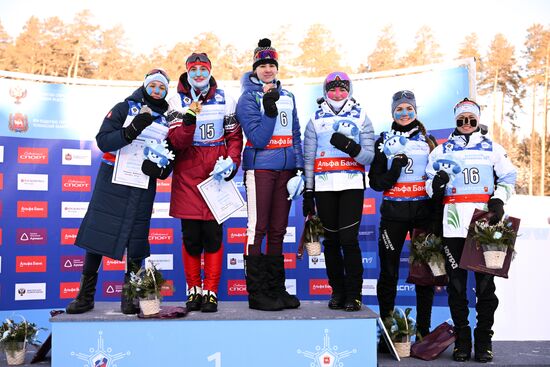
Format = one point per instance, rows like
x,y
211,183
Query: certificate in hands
x,y
127,168
222,197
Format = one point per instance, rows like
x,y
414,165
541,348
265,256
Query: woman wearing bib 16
x,y
399,171
272,155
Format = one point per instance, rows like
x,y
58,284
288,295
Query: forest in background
x,y
513,81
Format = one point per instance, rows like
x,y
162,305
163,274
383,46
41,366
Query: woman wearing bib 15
x,y
272,155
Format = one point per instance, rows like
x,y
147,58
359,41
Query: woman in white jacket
x,y
469,171
338,144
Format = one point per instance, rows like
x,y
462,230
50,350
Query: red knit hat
x,y
198,59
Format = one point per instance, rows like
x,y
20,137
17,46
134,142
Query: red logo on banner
x,y
236,235
167,289
30,264
319,287
68,235
164,185
236,287
369,206
113,265
0,236
290,260
1,181
75,183
32,155
32,209
159,236
68,290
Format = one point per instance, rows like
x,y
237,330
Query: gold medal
x,y
195,107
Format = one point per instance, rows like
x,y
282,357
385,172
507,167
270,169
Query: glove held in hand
x,y
268,101
495,206
345,144
138,124
308,204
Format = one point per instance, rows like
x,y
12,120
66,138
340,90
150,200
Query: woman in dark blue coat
x,y
118,216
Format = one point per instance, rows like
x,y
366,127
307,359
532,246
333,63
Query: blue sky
x,y
355,25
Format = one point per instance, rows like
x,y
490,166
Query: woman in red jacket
x,y
203,128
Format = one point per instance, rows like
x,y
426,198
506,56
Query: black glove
x,y
152,170
188,118
308,204
138,124
399,161
438,185
496,207
269,100
345,144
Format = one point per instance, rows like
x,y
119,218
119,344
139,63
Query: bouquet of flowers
x,y
313,231
495,240
400,328
427,248
146,285
14,337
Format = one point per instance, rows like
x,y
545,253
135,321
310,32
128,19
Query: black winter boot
x,y
194,299
463,344
128,305
209,301
260,296
483,348
84,301
337,301
275,266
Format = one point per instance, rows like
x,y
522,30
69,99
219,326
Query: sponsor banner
x,y
72,263
369,206
30,264
367,233
161,236
74,209
405,289
30,291
68,290
31,236
236,287
236,235
76,183
369,287
167,288
290,235
370,259
1,181
235,261
26,155
32,209
164,185
114,265
76,157
68,235
317,262
161,261
32,182
161,210
319,287
112,289
290,260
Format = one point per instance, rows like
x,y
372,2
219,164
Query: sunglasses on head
x,y
404,93
158,71
266,54
466,120
200,57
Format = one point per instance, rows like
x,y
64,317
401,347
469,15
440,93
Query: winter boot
x,y
128,305
260,297
483,348
353,304
84,301
194,299
275,266
463,344
209,301
337,301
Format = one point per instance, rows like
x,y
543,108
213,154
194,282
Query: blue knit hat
x,y
158,75
403,96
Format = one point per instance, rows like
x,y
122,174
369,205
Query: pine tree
x,y
384,56
320,54
426,50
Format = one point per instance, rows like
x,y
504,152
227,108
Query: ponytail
x,y
430,142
